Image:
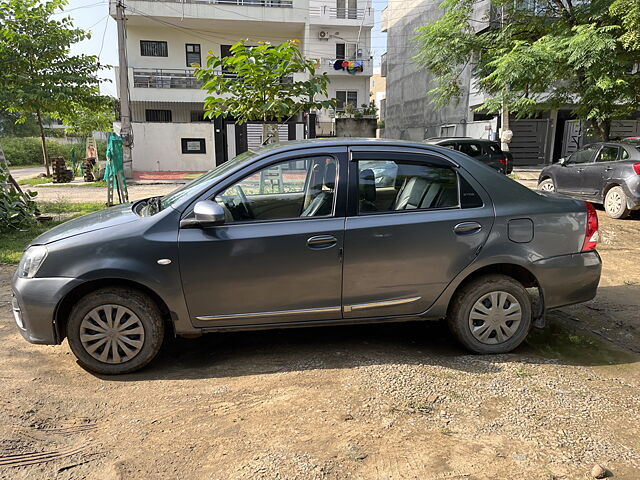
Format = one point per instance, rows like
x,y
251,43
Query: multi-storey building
x,y
165,37
409,113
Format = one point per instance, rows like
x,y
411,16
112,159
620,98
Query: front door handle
x,y
467,228
320,242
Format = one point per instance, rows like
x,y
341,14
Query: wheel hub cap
x,y
112,334
495,318
614,202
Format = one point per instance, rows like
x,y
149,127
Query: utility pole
x,y
126,132
505,129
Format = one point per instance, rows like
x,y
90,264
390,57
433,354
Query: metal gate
x,y
240,138
529,144
575,133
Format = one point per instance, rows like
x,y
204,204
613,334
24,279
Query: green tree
x,y
540,54
84,121
38,75
255,83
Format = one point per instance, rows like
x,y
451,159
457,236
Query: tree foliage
x,y
17,209
257,83
84,121
38,74
539,54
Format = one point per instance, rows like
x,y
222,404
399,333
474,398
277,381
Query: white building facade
x,y
165,37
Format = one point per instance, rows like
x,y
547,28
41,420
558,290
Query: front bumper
x,y
568,279
34,306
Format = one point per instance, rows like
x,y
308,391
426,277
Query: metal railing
x,y
175,78
164,78
245,3
341,13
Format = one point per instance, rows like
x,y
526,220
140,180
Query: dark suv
x,y
604,172
485,151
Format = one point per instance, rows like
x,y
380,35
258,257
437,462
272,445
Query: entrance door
x,y
411,233
277,258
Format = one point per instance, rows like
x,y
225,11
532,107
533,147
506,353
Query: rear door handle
x,y
467,228
320,242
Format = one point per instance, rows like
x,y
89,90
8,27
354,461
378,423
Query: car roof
x,y
438,140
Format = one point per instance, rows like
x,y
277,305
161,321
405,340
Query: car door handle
x,y
320,242
467,228
608,169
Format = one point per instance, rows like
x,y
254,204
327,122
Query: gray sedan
x,y
301,234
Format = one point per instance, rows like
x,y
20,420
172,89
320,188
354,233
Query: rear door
x,y
398,258
593,174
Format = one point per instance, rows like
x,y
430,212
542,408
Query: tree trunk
x,y
601,129
43,140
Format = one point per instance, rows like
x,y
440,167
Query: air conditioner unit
x,y
323,35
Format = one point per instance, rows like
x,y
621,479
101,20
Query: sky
x,y
93,16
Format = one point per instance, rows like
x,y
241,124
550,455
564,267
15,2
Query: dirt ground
x,y
368,402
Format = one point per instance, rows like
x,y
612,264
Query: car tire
x,y
475,310
131,323
547,185
615,203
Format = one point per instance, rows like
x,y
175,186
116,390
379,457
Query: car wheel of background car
x,y
491,314
547,185
115,331
615,203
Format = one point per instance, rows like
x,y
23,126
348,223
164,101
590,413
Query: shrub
x,y
17,210
28,151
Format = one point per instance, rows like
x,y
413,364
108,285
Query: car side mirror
x,y
206,213
562,161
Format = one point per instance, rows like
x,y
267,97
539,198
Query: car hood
x,y
107,218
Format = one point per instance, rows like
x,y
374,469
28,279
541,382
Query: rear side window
x,y
414,187
608,154
471,149
493,148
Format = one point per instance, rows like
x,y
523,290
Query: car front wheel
x,y
491,314
615,203
115,330
547,185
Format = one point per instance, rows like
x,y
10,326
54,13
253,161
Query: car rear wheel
x,y
547,185
491,314
615,203
114,331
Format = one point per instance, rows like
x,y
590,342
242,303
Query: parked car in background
x,y
301,234
605,172
488,152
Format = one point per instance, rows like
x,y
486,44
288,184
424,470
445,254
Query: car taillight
x,y
504,161
636,168
591,235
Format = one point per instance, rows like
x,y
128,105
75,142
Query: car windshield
x,y
193,186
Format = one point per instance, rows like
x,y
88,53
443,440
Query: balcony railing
x,y
341,13
171,78
245,3
164,78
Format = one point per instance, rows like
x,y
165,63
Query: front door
x,y
277,258
594,172
568,179
402,250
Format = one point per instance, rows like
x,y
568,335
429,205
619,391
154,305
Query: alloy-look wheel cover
x,y
613,202
112,334
548,187
495,318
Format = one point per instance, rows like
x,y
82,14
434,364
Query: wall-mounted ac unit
x,y
323,35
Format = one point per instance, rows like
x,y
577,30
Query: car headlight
x,y
31,261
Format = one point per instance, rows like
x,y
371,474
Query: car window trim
x,y
336,152
354,186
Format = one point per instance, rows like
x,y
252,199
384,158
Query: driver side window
x,y
285,190
586,155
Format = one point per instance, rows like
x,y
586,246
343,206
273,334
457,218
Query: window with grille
x,y
198,116
153,48
163,116
345,97
193,54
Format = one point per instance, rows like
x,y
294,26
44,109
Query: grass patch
x,y
12,243
34,181
68,207
20,167
100,183
514,176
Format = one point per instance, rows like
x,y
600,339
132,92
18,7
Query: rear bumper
x,y
34,304
568,279
632,191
